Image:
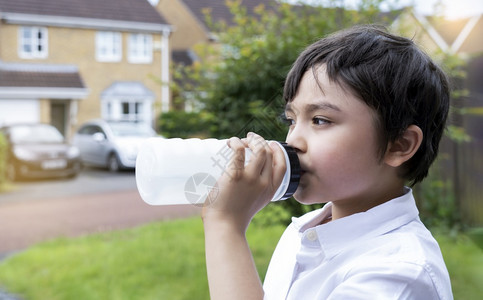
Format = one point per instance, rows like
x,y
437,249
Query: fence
x,y
469,181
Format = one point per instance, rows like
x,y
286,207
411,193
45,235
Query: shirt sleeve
x,y
388,281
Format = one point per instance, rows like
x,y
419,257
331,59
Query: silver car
x,y
37,150
111,144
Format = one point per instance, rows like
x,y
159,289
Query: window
x,y
140,48
108,46
132,110
153,2
127,101
33,42
126,109
90,130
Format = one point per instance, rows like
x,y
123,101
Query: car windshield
x,y
29,134
131,129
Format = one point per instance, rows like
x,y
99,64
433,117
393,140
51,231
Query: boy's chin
x,y
307,199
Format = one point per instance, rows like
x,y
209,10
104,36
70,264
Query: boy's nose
x,y
296,139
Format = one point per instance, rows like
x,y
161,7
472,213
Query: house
x,y
66,61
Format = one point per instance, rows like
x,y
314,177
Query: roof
x,y
40,79
135,11
36,80
218,9
183,57
39,75
127,89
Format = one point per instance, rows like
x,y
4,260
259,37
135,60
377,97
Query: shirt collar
x,y
337,234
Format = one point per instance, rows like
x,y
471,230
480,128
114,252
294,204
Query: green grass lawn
x,y
166,260
464,260
162,260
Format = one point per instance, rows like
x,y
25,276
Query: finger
x,y
237,162
260,151
245,142
279,164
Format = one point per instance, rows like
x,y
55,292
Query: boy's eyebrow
x,y
314,107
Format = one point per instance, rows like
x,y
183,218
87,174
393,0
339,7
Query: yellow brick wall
x,y
8,42
44,110
187,30
72,46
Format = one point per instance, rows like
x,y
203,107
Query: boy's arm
x,y
231,270
242,192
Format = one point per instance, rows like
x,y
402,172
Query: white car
x,y
111,144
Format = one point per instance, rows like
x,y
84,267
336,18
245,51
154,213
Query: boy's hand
x,y
244,190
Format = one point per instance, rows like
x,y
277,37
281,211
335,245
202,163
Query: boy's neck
x,y
344,208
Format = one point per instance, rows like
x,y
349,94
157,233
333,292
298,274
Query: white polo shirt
x,y
383,253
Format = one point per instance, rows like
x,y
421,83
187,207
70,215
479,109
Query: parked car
x,y
111,144
39,150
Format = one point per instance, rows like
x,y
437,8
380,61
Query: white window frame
x,y
154,2
113,109
140,48
108,46
38,45
135,110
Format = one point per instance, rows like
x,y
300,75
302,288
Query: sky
x,y
452,9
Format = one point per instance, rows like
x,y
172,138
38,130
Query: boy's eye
x,y
287,120
320,121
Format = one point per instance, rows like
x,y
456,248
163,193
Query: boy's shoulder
x,y
412,244
409,255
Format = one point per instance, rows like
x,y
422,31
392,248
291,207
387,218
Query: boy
x,y
366,111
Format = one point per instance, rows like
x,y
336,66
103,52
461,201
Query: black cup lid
x,y
295,171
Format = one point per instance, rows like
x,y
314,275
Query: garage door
x,y
16,111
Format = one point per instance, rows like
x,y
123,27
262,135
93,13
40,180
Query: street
x,y
95,201
90,181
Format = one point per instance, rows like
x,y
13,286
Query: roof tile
x,y
120,10
218,9
40,79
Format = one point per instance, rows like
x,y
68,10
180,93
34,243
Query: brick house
x,y
66,61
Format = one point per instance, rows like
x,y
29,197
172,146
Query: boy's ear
x,y
401,150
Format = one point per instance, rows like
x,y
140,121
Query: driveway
x,y
90,181
93,202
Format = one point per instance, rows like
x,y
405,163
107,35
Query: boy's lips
x,y
303,170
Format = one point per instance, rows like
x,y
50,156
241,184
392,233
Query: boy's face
x,y
337,144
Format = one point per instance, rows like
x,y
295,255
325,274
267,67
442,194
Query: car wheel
x,y
113,163
75,170
11,172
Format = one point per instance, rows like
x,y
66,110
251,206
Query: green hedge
x,y
184,124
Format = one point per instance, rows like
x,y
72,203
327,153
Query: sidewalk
x,y
26,223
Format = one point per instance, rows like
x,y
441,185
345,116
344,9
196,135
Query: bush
x,y
436,199
183,124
